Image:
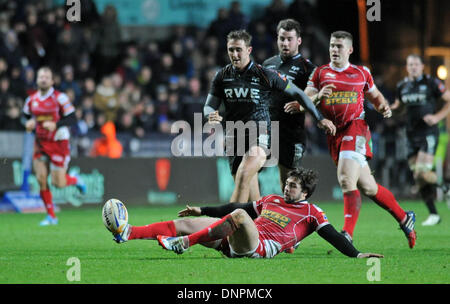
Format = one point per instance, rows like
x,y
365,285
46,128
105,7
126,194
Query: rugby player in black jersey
x,y
289,113
245,88
419,94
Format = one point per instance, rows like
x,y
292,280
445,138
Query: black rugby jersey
x,y
420,97
246,94
297,69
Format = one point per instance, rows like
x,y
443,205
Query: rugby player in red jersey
x,y
50,114
338,89
259,229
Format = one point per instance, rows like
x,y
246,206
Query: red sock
x,y
150,232
219,230
71,180
46,196
352,205
385,199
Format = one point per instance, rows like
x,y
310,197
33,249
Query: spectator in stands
x,y
68,49
194,101
11,50
145,81
273,13
105,99
68,82
236,18
108,145
109,42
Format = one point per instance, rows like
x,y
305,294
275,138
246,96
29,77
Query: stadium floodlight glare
x,y
442,72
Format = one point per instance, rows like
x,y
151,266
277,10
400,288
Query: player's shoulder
x,y
428,78
272,198
322,68
315,210
272,62
361,68
308,63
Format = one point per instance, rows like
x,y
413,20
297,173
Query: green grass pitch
x,y
32,254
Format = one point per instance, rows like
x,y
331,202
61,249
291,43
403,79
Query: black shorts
x,y
290,153
424,142
239,148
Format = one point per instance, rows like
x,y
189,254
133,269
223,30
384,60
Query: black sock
x,y
428,193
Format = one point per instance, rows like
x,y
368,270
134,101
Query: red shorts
x,y
355,137
57,151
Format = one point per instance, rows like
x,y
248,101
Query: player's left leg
x,y
385,199
61,179
427,180
254,193
252,161
59,163
238,221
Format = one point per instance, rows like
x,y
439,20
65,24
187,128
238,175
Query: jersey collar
x,y
249,65
416,79
49,92
339,69
290,58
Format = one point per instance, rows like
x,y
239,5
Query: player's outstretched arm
x,y
218,211
297,94
341,243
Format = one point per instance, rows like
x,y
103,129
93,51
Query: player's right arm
x,y
213,100
341,243
27,118
211,109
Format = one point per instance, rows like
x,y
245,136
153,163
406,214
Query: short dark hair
x,y
416,56
307,178
289,25
240,35
342,35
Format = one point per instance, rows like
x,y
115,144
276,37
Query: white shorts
x,y
358,157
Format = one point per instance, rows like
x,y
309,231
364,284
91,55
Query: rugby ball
x,y
115,215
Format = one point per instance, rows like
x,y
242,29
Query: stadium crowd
x,y
141,86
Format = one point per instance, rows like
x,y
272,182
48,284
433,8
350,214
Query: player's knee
x,y
369,189
346,182
185,226
239,216
58,183
42,179
244,176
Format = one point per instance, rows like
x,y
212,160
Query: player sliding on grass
x,y
260,229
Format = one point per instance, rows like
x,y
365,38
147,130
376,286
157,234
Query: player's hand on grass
x,y
328,126
190,211
369,255
385,110
30,125
293,107
214,117
49,125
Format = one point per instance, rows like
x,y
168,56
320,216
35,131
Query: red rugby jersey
x,y
347,100
50,107
284,225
